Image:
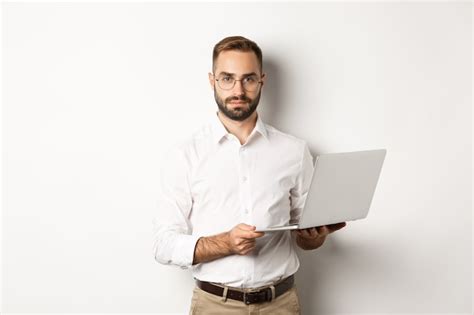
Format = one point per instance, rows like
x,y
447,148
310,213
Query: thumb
x,y
246,227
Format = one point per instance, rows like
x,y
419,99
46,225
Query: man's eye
x,y
250,79
227,79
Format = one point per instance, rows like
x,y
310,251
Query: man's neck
x,y
240,129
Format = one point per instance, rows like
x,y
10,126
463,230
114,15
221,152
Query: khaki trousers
x,y
206,303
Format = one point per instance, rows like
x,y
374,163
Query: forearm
x,y
309,244
211,248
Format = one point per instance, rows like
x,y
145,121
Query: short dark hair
x,y
238,43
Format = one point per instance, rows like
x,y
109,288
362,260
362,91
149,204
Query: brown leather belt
x,y
263,295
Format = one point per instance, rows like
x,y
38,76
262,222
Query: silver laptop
x,y
342,188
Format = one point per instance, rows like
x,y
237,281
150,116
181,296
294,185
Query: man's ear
x,y
211,80
263,78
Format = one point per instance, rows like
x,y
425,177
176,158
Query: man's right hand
x,y
242,239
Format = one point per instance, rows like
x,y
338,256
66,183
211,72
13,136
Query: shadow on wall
x,y
275,97
327,272
273,92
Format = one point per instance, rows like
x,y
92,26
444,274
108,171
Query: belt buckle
x,y
246,300
248,297
257,293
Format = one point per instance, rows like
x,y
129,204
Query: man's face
x,y
236,103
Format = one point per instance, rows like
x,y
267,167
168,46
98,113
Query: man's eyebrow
x,y
226,73
248,74
233,74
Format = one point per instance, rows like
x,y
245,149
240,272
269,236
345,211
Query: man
x,y
232,175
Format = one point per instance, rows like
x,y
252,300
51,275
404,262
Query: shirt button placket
x,y
244,183
244,200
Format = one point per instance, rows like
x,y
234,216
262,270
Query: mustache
x,y
236,98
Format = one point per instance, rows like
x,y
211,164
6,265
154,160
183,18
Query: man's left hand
x,y
320,231
312,238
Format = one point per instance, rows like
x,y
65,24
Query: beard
x,y
237,113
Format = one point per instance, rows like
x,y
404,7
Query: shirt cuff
x,y
183,254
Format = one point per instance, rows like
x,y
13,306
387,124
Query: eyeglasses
x,y
249,83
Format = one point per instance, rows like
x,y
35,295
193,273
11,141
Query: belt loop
x,y
224,294
273,292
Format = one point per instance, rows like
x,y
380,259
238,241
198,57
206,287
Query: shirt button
x,y
246,211
244,178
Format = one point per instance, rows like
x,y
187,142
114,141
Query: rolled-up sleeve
x,y
173,242
300,190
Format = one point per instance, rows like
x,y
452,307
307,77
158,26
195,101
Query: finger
x,y
337,226
248,231
246,227
245,241
251,235
313,232
248,245
258,234
323,230
244,244
334,227
306,233
247,249
241,242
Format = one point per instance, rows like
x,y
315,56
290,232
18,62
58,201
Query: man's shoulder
x,y
191,143
275,134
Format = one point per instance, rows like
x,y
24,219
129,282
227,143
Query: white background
x,y
95,94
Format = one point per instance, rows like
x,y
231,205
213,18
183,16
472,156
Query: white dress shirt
x,y
211,182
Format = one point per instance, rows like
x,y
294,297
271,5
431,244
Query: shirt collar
x,y
219,131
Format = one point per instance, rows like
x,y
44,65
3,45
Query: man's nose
x,y
238,88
